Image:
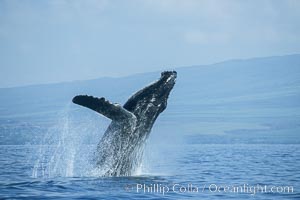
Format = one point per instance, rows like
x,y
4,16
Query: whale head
x,y
149,102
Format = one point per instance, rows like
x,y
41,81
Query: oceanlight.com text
x,y
158,188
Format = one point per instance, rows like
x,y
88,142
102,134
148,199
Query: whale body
x,y
120,150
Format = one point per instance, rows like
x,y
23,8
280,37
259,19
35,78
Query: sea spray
x,y
69,147
66,149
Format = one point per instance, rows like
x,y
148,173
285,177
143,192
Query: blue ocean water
x,y
201,157
199,171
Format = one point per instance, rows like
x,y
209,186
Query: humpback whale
x,y
120,150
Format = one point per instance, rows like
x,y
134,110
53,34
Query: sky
x,y
65,40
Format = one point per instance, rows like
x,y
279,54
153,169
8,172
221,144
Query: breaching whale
x,y
120,150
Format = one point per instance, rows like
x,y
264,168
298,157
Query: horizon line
x,y
139,73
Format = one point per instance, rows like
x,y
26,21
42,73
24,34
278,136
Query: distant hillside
x,y
231,97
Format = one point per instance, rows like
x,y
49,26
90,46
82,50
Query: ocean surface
x,y
199,171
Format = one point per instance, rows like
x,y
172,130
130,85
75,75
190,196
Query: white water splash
x,y
66,150
68,147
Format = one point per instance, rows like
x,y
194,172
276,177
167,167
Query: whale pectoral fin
x,y
104,107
